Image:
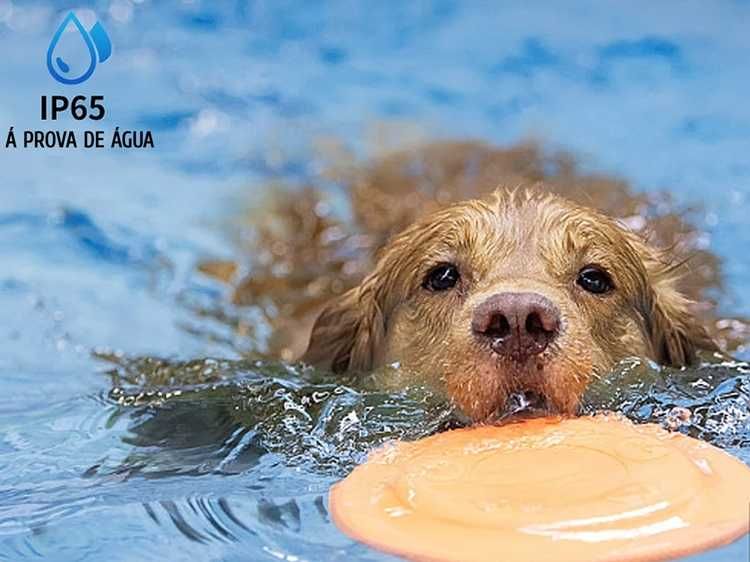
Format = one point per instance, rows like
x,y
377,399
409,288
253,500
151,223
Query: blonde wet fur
x,y
522,241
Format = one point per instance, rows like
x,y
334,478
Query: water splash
x,y
212,416
710,402
224,416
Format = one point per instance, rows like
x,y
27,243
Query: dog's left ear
x,y
674,331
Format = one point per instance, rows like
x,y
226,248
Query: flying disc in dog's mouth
x,y
584,489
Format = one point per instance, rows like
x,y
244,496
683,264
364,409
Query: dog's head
x,y
520,293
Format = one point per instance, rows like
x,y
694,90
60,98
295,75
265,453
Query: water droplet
x,y
102,42
54,61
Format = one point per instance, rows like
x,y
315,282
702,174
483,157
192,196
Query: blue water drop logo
x,y
95,43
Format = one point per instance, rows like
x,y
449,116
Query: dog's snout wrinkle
x,y
516,325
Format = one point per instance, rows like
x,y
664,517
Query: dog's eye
x,y
595,280
441,277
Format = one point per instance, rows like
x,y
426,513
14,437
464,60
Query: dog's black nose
x,y
517,325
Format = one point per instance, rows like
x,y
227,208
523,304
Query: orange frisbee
x,y
584,489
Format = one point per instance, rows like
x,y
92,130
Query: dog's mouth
x,y
522,404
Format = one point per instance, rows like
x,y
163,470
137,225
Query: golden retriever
x,y
519,293
515,257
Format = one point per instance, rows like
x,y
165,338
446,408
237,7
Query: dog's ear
x,y
675,333
348,332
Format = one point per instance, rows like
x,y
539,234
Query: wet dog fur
x,y
359,273
514,243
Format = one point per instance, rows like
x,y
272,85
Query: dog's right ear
x,y
348,332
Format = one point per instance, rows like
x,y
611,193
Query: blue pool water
x,y
98,247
